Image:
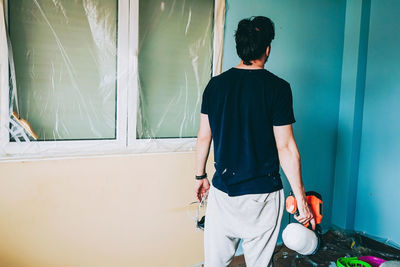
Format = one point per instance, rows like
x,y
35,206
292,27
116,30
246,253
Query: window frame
x,y
127,97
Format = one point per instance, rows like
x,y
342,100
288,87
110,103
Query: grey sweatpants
x,y
255,218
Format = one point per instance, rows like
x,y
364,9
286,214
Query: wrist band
x,y
201,177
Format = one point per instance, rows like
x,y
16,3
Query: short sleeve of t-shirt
x,y
282,113
204,103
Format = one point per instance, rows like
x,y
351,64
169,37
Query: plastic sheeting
x,y
175,63
65,66
67,72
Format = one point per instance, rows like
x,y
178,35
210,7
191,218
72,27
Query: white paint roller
x,y
300,239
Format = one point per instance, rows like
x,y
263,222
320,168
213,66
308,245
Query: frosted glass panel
x,y
65,62
175,57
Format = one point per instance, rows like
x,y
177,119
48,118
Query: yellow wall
x,y
107,211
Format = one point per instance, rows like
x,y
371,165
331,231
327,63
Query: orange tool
x,y
313,199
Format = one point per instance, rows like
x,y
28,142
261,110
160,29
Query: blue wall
x,y
368,147
379,177
307,52
350,112
343,62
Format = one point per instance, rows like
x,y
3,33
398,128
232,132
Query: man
x,y
247,111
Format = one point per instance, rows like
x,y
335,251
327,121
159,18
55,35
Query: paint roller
x,y
301,238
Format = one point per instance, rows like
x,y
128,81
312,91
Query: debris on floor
x,y
335,244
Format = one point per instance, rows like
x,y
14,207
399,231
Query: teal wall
x,y
350,112
379,176
307,52
366,179
342,59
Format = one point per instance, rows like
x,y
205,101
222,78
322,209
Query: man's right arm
x,y
289,158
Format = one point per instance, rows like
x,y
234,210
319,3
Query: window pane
x,y
175,57
65,63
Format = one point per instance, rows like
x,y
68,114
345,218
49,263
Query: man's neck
x,y
255,64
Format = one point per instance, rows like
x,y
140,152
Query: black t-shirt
x,y
243,106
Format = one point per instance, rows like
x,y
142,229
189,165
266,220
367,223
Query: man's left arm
x,y
203,143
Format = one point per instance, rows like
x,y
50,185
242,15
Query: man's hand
x,y
201,188
203,143
290,161
305,215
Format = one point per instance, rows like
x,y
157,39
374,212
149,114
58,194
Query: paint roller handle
x,y
314,203
305,215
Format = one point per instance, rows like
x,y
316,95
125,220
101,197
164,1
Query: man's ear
x,y
268,50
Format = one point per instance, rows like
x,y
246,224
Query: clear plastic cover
x,y
175,64
65,80
65,67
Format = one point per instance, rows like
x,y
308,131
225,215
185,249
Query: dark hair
x,y
253,36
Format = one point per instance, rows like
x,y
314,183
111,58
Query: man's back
x,y
243,105
248,113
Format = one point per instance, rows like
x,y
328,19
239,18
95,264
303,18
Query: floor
x,y
335,244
